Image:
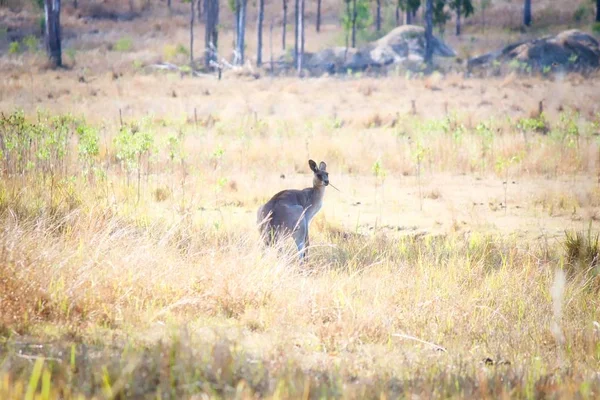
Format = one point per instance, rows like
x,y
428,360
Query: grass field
x,y
458,260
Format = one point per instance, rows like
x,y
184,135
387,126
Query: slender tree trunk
x,y
597,10
53,36
169,4
458,12
284,27
242,30
349,17
429,32
482,15
271,44
211,31
75,3
398,20
261,16
300,34
208,12
378,20
237,32
408,17
527,13
354,18
200,8
192,17
296,30
319,15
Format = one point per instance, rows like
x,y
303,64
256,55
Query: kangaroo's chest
x,y
312,210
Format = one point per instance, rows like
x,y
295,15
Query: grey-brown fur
x,y
290,211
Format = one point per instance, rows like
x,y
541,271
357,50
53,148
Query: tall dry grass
x,y
176,295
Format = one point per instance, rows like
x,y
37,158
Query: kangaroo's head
x,y
321,177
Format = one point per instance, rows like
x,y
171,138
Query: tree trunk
x,y
482,15
378,21
211,31
458,11
300,34
398,14
192,17
319,15
284,30
429,32
408,17
597,10
527,13
296,30
241,48
169,4
261,16
349,16
52,14
75,3
200,7
354,18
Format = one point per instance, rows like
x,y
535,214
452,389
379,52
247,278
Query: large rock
x,y
570,50
404,46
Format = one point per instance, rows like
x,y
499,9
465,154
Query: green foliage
x,y
409,5
440,15
88,146
378,170
31,43
123,44
581,12
170,52
38,3
132,143
14,48
40,146
466,7
538,124
567,129
596,28
363,16
485,132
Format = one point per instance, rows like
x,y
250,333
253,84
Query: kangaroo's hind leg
x,y
300,237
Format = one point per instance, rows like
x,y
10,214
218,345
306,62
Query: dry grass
x,y
445,284
180,285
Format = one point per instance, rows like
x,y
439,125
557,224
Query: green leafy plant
x,y
418,154
88,147
14,48
363,16
124,44
133,144
31,43
380,173
486,134
567,129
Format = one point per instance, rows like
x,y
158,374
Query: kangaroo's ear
x,y
323,166
313,166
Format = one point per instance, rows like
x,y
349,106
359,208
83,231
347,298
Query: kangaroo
x,y
290,211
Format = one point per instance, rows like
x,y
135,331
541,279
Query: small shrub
x,y
14,48
31,43
161,194
583,255
124,45
580,13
